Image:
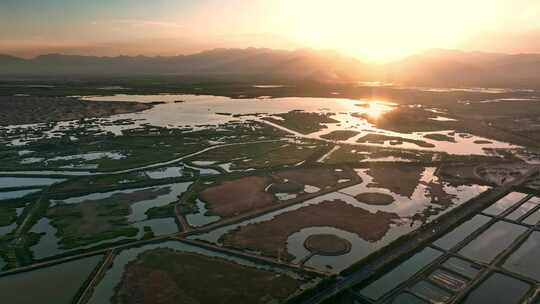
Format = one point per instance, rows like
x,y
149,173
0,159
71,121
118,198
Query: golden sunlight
x,y
386,30
376,108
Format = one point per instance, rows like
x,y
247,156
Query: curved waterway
x,y
420,199
406,208
200,218
204,171
359,248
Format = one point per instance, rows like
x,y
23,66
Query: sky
x,y
375,31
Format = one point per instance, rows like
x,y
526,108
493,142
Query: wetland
x,y
266,191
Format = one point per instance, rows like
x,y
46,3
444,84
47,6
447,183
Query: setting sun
x,y
376,109
373,31
386,30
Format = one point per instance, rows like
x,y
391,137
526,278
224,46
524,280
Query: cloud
x,y
148,23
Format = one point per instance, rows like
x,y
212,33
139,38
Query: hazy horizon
x,y
299,49
379,31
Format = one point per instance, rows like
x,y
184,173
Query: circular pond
x,y
327,244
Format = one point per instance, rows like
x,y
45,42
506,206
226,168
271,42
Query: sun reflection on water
x,y
376,108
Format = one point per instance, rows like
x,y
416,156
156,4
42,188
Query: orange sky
x,y
376,31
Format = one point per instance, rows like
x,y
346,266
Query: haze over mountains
x,y
430,68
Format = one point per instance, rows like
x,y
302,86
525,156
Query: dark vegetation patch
x,y
102,183
460,172
285,187
270,237
233,197
26,109
303,122
327,244
99,182
137,149
263,155
357,153
482,142
515,122
8,211
440,137
402,180
374,198
405,119
319,177
163,276
394,140
435,191
161,212
95,220
340,135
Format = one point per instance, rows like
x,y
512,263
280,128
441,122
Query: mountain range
x,y
430,68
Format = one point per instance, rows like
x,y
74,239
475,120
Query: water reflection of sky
x,y
203,110
419,201
405,207
50,242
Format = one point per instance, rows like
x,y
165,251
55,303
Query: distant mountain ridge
x,y
458,68
431,68
299,64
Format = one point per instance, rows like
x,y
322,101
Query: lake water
x,y
407,298
490,291
491,242
419,201
48,244
457,235
400,274
12,182
505,203
201,218
431,291
56,284
521,211
525,259
201,110
532,219
17,194
462,267
166,172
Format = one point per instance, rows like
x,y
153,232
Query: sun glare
x,y
384,30
377,108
